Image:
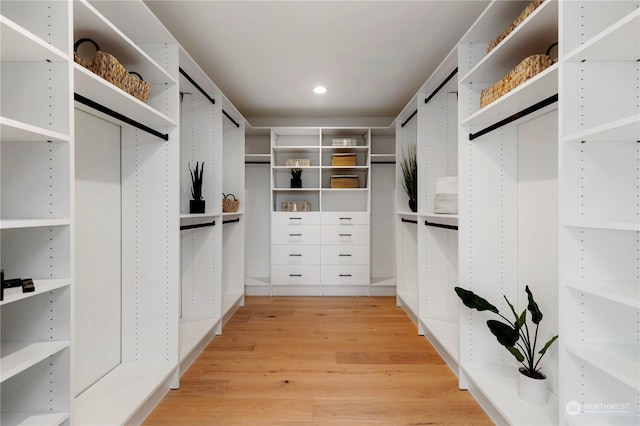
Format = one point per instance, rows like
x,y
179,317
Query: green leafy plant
x,y
514,335
196,181
409,166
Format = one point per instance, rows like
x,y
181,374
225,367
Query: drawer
x,y
295,218
357,254
345,275
345,218
295,274
339,235
303,234
298,254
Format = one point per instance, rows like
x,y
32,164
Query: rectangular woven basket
x,y
523,15
344,181
525,70
343,159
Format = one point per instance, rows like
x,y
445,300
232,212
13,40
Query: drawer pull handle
x,y
295,235
345,235
344,218
345,275
295,254
295,275
344,255
295,218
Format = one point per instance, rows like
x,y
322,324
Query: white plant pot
x,y
534,391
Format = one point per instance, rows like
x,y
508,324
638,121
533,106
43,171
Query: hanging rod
x,y
409,220
88,102
231,221
409,119
257,162
197,86
206,95
440,225
198,225
230,118
446,80
514,117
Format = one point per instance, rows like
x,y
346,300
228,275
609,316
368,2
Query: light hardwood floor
x,y
318,361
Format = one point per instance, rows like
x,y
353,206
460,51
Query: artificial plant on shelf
x,y
196,205
409,167
296,178
515,336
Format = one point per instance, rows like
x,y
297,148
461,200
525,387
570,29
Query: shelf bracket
x,y
440,225
518,115
198,225
103,109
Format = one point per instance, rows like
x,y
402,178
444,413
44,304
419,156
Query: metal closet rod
x,y
198,225
440,225
206,95
408,220
231,221
426,101
518,115
99,107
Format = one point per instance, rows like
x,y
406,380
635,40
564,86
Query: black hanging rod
x,y
198,225
440,225
231,221
518,115
409,119
230,118
409,220
197,86
446,80
88,102
257,162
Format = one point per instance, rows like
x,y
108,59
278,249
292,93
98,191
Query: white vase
x,y
534,391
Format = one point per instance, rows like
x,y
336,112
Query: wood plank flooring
x,y
318,361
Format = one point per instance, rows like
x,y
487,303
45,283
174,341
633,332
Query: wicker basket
x,y
526,69
344,181
230,205
107,66
297,162
525,13
347,159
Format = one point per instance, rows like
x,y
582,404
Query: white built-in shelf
x,y
533,36
409,301
497,384
383,282
238,213
295,148
41,286
117,396
625,129
338,168
229,300
624,35
18,356
345,148
617,360
296,189
32,223
527,94
192,331
446,335
197,215
623,292
346,189
383,158
16,131
88,22
18,44
287,168
33,419
600,224
100,90
442,219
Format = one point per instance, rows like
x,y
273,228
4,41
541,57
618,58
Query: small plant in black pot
x,y
296,178
516,338
196,205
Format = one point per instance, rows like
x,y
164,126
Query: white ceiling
x,y
266,56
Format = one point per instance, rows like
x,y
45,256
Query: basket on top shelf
x,y
109,68
524,15
525,70
230,205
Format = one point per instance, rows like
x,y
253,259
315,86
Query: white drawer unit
x,y
295,218
345,218
345,254
345,275
342,234
295,274
295,234
295,254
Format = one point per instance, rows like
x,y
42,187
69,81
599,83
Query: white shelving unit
x,y
36,225
600,214
508,190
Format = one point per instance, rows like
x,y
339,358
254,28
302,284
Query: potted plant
x,y
196,205
516,338
409,167
296,178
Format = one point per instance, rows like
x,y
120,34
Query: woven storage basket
x,y
230,205
107,66
344,181
343,159
526,69
524,15
297,162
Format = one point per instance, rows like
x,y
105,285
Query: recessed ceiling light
x,y
320,90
